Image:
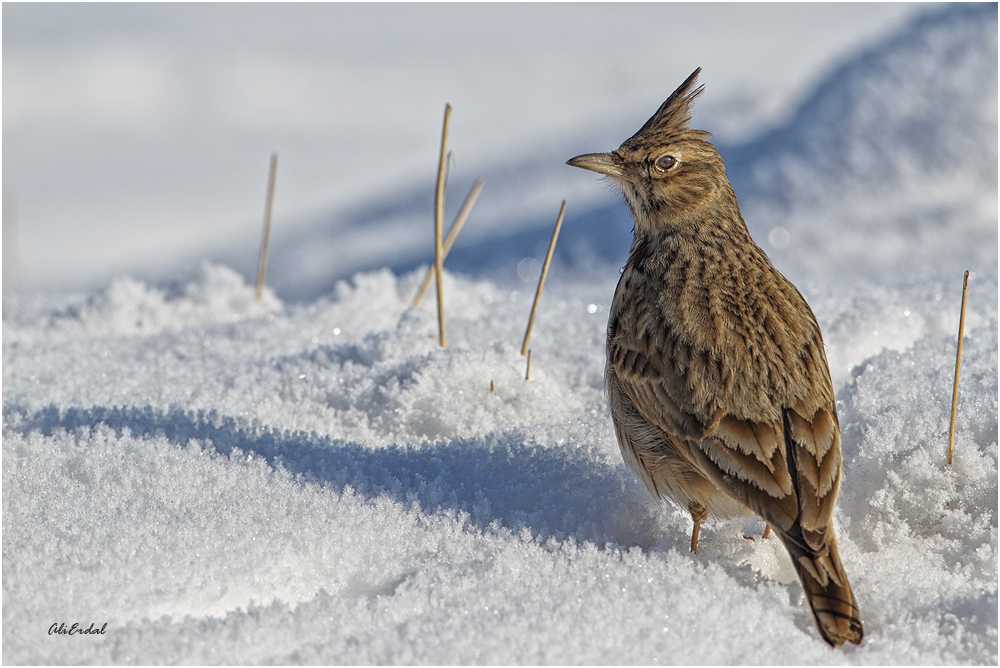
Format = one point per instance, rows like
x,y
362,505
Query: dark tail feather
x,y
834,607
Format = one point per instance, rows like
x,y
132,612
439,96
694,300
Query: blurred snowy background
x,y
310,478
136,137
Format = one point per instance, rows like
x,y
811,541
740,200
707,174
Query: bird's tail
x,y
829,593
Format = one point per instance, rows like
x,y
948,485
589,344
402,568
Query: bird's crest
x,y
674,116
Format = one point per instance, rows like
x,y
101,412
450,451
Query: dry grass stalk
x,y
527,371
541,278
456,227
262,260
492,386
958,363
439,224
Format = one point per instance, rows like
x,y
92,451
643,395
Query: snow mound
x,y
890,168
128,306
907,512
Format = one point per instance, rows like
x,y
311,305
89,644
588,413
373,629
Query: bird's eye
x,y
665,162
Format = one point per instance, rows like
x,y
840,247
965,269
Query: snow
x,y
155,123
312,479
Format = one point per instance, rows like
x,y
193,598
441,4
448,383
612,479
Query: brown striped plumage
x,y
717,380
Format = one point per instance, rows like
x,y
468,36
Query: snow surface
x,y
312,479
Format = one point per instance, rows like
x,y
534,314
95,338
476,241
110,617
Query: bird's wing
x,y
786,469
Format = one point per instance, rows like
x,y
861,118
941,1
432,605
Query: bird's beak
x,y
602,163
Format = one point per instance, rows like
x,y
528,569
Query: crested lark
x,y
717,381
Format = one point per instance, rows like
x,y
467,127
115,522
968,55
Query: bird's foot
x,y
698,513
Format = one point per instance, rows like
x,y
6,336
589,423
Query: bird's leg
x,y
698,513
767,530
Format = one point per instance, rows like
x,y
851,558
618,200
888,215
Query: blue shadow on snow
x,y
495,479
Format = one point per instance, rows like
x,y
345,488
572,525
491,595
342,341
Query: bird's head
x,y
668,172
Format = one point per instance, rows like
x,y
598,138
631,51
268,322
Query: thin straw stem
x,y
456,227
439,224
958,363
262,260
541,278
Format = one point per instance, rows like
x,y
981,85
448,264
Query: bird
x,y
717,379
